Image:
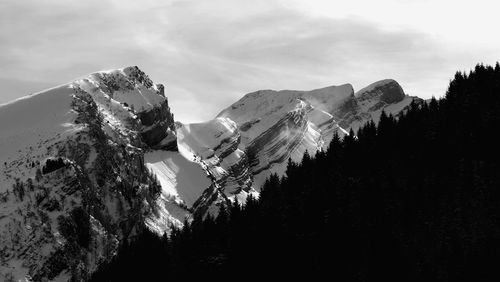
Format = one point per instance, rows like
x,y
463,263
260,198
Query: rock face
x,y
387,91
158,128
369,102
134,89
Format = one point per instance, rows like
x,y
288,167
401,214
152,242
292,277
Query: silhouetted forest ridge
x,y
411,199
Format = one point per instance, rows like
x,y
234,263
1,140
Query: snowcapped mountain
x,y
75,178
87,164
267,127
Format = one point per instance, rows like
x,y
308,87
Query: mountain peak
x,y
388,90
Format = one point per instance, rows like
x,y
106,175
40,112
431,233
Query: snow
x,y
182,181
268,102
243,195
300,122
31,124
116,115
179,177
258,111
271,123
139,96
327,99
170,215
201,138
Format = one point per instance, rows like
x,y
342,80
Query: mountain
x,y
276,125
82,165
255,137
89,164
414,198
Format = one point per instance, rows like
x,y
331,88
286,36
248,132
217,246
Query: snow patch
x,y
179,177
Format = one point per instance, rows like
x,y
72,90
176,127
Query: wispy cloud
x,y
210,53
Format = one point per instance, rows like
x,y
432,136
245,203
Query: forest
x,y
412,198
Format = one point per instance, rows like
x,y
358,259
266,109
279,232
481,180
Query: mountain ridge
x,y
121,150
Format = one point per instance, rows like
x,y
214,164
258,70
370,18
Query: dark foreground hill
x,y
415,198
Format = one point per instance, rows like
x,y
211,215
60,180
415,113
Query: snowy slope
x,y
180,178
35,121
257,111
214,145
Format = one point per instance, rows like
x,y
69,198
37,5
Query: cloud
x,y
283,48
210,53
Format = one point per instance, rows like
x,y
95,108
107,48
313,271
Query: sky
x,y
208,54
